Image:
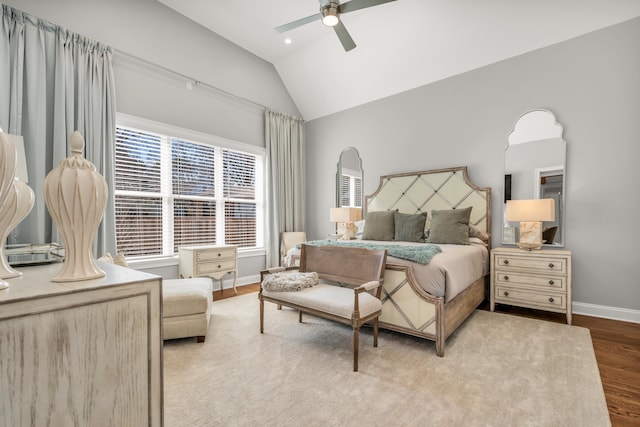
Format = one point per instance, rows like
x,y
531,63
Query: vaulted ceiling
x,y
401,45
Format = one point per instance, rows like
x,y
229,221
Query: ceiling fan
x,y
330,11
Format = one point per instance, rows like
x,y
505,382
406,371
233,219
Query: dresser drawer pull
x,y
551,282
551,299
505,262
506,294
550,265
219,266
506,278
219,254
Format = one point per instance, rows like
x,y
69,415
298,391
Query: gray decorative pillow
x,y
450,226
379,226
409,228
289,281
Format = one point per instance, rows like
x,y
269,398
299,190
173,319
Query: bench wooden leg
x,y
356,342
375,332
299,316
261,316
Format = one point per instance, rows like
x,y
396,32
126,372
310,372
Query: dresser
x,y
214,261
539,279
85,353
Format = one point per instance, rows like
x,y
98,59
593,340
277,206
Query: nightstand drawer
x,y
506,277
214,267
207,256
526,298
532,262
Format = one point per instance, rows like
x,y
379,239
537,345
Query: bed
x,y
430,301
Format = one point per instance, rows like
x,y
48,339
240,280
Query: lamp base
x,y
529,246
347,230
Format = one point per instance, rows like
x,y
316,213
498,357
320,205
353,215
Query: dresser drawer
x,y
525,298
542,281
537,263
214,267
212,255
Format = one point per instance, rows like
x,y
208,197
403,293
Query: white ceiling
x,y
400,45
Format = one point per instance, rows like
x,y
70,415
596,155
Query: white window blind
x,y
351,191
172,192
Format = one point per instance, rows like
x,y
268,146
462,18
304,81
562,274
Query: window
x,y
351,190
172,192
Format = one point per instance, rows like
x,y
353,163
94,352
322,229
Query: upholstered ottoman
x,y
186,307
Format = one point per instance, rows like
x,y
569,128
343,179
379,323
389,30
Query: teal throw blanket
x,y
421,254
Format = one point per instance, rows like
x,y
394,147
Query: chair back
x,y
288,240
353,266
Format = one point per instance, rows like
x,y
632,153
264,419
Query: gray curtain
x,y
53,82
285,182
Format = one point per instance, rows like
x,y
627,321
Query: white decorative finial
x,y
76,141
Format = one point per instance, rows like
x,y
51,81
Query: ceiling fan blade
x,y
343,35
360,4
298,23
325,2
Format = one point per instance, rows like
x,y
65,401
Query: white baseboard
x,y
614,313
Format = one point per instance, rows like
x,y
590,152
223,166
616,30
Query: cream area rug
x,y
498,370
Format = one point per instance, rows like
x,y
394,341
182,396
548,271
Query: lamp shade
x,y
345,214
531,210
21,165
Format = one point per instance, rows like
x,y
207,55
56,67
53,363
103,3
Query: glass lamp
x,y
345,218
530,214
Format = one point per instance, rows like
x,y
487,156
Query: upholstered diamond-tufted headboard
x,y
417,192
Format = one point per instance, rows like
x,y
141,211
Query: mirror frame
x,y
339,169
536,126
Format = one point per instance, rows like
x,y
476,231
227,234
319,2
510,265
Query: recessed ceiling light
x,y
287,41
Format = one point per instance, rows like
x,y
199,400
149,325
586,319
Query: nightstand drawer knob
x,y
506,278
506,294
506,261
219,266
550,299
219,254
550,265
551,282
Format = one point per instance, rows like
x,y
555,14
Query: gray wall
x,y
149,30
591,83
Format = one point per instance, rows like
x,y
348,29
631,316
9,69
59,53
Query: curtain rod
x,y
196,82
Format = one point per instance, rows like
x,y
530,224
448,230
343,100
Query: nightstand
x,y
539,279
208,260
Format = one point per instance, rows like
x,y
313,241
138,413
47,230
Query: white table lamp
x,y
345,218
530,214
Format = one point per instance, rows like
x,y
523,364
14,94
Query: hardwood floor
x,y
616,345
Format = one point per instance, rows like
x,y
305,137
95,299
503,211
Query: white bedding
x,y
449,272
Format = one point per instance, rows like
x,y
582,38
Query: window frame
x,y
146,125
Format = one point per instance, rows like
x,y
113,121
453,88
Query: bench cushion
x,y
329,299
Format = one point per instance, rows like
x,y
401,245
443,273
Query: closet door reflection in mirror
x,y
535,168
349,179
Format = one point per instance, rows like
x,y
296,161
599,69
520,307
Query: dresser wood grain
x,y
539,279
85,353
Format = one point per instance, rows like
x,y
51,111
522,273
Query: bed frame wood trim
x,y
407,308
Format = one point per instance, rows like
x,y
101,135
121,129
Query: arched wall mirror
x,y
349,179
535,168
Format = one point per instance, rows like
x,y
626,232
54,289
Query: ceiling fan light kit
x,y
330,16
